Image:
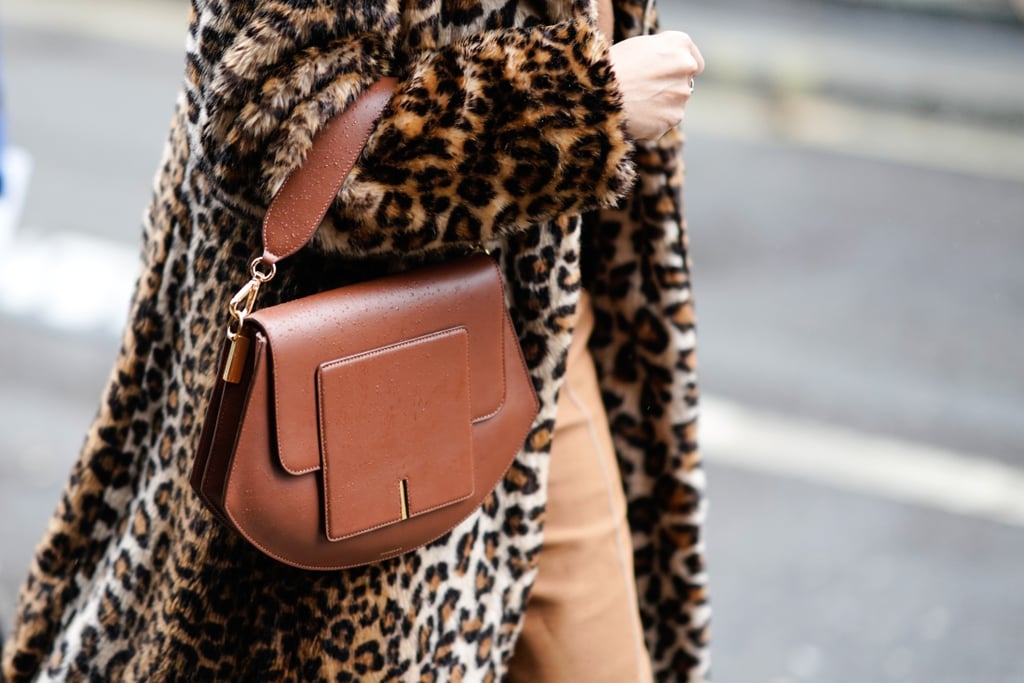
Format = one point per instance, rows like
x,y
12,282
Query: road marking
x,y
878,466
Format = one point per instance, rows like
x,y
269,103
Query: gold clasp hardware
x,y
262,275
234,364
240,307
244,302
403,497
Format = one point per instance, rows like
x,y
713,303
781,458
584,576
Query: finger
x,y
697,57
686,44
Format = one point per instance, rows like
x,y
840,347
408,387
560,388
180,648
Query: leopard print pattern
x,y
645,353
134,580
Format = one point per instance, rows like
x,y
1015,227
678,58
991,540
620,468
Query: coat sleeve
x,y
487,134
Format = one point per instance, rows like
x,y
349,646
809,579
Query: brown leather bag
x,y
357,424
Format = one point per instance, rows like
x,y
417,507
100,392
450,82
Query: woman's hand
x,y
654,74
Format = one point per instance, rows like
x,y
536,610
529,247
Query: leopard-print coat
x,y
506,129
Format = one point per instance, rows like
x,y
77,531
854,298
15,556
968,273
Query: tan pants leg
x,y
582,622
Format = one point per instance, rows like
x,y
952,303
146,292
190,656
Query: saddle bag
x,y
357,424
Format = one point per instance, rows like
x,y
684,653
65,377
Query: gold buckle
x,y
243,303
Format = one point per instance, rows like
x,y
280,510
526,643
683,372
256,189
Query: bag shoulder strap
x,y
305,196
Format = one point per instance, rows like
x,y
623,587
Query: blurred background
x,y
856,203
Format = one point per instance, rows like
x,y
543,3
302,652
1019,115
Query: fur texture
x,y
506,129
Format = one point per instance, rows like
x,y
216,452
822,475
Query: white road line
x,y
878,466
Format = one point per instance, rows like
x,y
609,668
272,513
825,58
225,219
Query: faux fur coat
x,y
507,129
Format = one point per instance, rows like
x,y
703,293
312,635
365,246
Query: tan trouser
x,y
581,621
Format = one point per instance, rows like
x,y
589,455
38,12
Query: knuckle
x,y
678,38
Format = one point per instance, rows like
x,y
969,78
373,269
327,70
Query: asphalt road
x,y
870,288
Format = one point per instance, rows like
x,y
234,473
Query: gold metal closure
x,y
243,303
234,364
403,495
262,275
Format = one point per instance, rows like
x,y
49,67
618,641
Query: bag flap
x,y
306,333
395,432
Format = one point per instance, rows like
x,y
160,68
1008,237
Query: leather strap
x,y
300,205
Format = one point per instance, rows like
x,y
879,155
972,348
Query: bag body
x,y
368,420
361,423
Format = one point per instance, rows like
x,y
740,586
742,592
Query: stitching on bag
x,y
323,430
383,349
504,319
277,420
472,470
501,337
350,160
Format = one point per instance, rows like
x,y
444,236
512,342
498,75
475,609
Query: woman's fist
x,y
655,75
